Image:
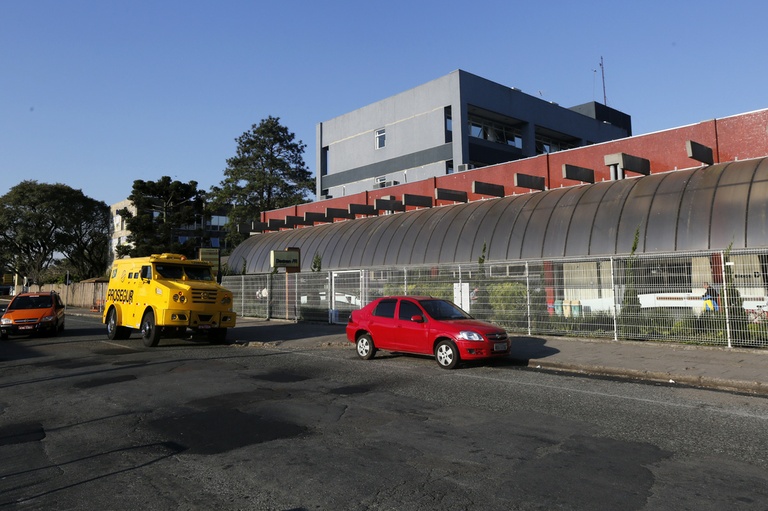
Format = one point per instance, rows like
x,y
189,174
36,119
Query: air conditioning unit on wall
x,y
465,166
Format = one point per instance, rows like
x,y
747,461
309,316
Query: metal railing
x,y
659,297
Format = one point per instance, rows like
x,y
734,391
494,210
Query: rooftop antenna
x,y
602,70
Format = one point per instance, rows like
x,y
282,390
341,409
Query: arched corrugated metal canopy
x,y
697,209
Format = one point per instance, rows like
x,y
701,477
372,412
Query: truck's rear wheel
x,y
114,331
150,332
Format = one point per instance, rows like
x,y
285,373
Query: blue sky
x,y
97,93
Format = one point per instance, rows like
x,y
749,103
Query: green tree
x,y
317,263
85,238
267,172
630,318
40,220
166,211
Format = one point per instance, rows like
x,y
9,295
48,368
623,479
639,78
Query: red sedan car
x,y
424,325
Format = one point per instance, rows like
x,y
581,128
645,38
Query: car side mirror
x,y
417,318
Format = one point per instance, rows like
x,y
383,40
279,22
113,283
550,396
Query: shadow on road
x,y
270,331
526,348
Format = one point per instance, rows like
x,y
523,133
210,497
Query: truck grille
x,y
204,296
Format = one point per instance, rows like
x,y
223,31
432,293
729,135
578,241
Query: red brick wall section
x,y
279,214
666,151
743,136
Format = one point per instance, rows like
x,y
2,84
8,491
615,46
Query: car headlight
x,y
469,335
6,321
46,319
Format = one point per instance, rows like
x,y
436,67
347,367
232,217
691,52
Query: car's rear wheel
x,y
150,332
365,348
446,354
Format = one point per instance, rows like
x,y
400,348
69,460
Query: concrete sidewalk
x,y
731,369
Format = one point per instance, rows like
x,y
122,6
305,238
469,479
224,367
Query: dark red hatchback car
x,y
427,326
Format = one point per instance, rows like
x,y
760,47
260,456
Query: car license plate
x,y
500,346
26,327
203,327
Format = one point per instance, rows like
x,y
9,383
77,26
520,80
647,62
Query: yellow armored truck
x,y
166,295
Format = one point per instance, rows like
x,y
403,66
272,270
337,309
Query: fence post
x,y
242,295
405,280
725,300
615,303
296,299
528,294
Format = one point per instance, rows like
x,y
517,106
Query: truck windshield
x,y
198,273
178,271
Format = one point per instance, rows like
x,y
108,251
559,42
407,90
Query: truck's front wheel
x,y
150,332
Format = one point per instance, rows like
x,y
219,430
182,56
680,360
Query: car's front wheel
x,y
365,348
446,354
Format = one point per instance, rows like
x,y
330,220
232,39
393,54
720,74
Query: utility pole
x,y
602,70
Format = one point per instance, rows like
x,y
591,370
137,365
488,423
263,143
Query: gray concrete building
x,y
454,123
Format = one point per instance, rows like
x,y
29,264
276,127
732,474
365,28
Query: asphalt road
x,y
86,423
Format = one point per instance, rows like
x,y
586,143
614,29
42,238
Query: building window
x,y
381,138
324,161
546,145
495,132
448,125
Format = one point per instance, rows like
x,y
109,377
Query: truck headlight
x,y
226,300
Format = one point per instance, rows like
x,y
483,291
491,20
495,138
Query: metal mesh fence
x,y
716,298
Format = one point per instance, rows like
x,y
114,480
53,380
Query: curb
x,y
750,387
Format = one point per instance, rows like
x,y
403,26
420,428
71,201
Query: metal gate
x,y
346,294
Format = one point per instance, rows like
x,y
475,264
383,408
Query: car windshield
x,y
31,302
442,309
177,271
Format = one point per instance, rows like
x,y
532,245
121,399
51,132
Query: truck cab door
x,y
142,294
